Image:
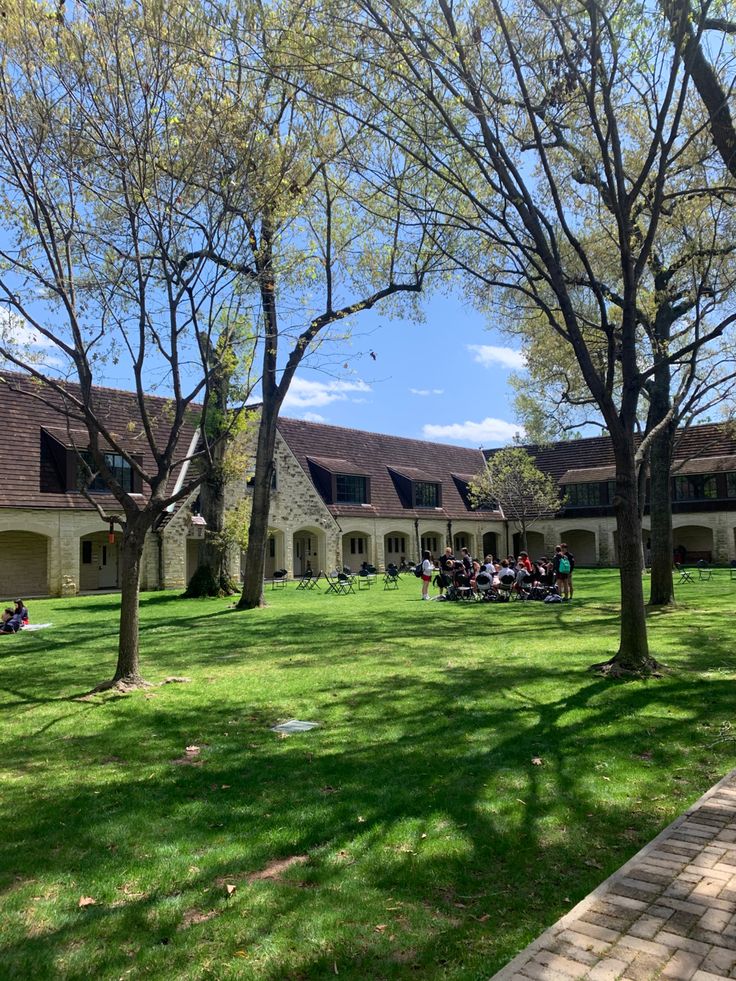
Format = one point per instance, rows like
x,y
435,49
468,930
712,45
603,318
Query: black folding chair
x,y
346,581
685,574
309,581
705,573
391,577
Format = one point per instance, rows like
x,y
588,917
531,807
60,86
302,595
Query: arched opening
x,y
433,542
491,544
98,562
24,566
534,544
463,539
693,543
309,551
396,548
581,544
356,549
275,553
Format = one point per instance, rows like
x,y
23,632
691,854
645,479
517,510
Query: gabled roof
x,y
712,445
25,417
375,455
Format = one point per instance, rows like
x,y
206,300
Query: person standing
x,y
446,564
427,569
561,565
566,551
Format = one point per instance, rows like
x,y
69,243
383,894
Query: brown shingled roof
x,y
373,454
710,442
24,417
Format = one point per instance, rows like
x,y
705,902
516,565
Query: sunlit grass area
x,y
468,782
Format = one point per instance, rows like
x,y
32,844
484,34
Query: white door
x,y
108,567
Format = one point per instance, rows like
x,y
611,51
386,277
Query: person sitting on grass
x,y
10,622
22,610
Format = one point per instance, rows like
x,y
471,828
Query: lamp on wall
x,y
198,526
111,533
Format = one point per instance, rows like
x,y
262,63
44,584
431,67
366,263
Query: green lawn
x,y
426,842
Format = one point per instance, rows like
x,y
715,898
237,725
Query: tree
x,y
559,128
108,232
524,493
327,236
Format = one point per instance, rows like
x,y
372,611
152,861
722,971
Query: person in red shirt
x,y
525,561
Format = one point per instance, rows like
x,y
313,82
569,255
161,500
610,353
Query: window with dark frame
x,y
118,466
351,489
357,546
695,487
426,495
731,484
583,495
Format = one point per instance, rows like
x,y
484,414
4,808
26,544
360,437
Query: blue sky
x,y
444,379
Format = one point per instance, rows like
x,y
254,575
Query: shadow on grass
x,y
417,803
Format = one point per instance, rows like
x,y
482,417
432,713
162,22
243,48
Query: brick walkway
x,y
670,912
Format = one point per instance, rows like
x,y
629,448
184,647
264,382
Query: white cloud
x,y
483,433
313,417
427,391
17,334
304,393
490,354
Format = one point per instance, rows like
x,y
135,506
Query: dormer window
x,y
426,494
351,489
118,466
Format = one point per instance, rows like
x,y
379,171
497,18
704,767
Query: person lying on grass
x,y
10,622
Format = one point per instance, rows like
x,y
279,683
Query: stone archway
x,y
582,544
695,540
309,551
98,562
396,547
356,549
24,570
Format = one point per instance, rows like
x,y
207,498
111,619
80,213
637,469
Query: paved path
x,y
670,912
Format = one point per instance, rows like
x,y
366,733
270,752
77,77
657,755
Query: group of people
x,y
14,618
513,572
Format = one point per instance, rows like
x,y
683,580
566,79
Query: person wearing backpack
x,y
561,565
571,558
426,573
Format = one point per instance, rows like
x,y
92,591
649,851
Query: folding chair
x,y
391,577
505,587
685,574
334,585
309,581
346,582
365,579
279,579
705,573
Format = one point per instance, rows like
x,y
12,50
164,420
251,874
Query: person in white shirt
x,y
427,570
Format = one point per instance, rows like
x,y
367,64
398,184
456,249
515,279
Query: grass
x,y
419,837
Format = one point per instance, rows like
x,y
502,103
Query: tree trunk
x,y
212,509
662,592
127,673
255,556
633,653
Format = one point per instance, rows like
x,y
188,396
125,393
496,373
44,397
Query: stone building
x,y
341,497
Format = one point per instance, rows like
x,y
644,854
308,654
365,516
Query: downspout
x,y
449,534
419,541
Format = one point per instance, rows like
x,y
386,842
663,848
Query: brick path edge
x,y
514,966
